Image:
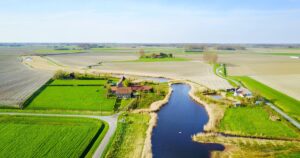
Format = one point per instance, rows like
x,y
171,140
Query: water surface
x,y
177,122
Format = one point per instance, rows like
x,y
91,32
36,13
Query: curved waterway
x,y
178,120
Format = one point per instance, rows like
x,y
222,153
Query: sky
x,y
151,21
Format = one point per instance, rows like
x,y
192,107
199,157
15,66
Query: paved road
x,y
287,117
111,120
283,114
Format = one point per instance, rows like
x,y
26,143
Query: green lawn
x,y
129,138
160,59
125,103
288,104
73,98
24,136
79,82
255,121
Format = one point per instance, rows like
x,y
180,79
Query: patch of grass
x,y
24,136
78,82
125,103
146,99
280,54
129,137
160,59
288,104
289,155
73,98
255,121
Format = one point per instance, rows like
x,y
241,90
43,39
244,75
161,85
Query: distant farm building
x,y
242,92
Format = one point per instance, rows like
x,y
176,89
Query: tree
x,y
211,58
142,53
126,83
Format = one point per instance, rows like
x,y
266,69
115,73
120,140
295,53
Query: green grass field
x,y
288,104
129,138
73,98
79,82
254,121
24,136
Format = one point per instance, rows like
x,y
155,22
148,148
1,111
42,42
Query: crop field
x,y
255,121
85,59
286,103
46,136
279,72
129,137
73,98
17,82
53,51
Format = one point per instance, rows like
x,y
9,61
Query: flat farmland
x,y
24,136
81,60
73,98
279,72
196,71
193,69
18,82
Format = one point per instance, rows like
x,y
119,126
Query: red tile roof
x,y
123,90
132,88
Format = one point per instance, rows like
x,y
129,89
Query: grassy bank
x,y
129,137
24,136
251,147
255,121
288,104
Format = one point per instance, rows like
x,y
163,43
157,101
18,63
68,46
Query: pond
x,y
217,97
178,120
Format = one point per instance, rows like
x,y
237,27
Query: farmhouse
x,y
242,92
123,92
127,92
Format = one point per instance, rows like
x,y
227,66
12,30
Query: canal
x,y
178,120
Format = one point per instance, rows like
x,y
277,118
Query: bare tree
x,y
210,57
142,53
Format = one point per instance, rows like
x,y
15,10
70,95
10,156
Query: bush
x,y
61,75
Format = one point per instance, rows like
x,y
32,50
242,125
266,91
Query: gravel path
x,y
111,120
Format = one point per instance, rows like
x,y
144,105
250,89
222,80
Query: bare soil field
x,y
195,70
85,59
279,72
17,82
